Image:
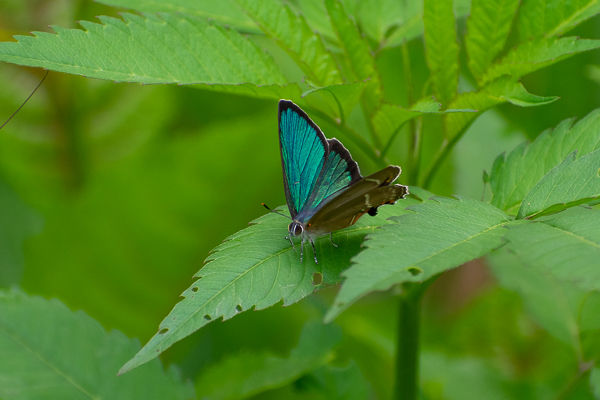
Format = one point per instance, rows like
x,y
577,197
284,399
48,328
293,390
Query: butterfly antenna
x,y
276,212
26,100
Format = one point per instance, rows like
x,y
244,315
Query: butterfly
x,y
323,186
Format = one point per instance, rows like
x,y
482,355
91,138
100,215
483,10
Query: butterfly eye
x,y
298,230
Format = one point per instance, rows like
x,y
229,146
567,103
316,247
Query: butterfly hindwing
x,y
360,198
303,152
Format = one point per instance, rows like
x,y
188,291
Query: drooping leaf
x,y
17,222
244,375
50,352
487,30
294,35
515,175
566,246
515,93
570,183
357,51
257,267
336,100
553,17
389,118
537,54
441,48
153,49
438,235
223,11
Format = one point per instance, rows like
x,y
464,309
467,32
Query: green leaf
x,y
17,222
554,305
441,48
553,17
257,267
514,176
487,30
223,11
50,352
390,118
155,49
341,383
336,100
357,51
244,375
570,183
515,93
537,54
595,381
293,34
566,246
376,17
435,237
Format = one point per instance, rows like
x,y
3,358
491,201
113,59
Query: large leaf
x,y
223,11
536,54
487,30
566,246
294,35
515,175
17,222
435,237
441,48
572,182
257,267
553,17
357,51
49,352
246,374
154,49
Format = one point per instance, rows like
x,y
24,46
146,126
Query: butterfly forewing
x,y
303,152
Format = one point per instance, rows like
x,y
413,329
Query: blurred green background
x,y
112,195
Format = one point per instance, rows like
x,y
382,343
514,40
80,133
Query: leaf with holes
x,y
571,183
513,176
257,267
50,352
436,236
566,246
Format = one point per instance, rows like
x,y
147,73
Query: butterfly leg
x,y
314,251
301,250
331,238
291,241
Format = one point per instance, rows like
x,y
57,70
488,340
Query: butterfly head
x,y
296,229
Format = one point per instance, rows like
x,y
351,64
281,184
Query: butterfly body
x,y
323,186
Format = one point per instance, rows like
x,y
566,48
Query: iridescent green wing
x,y
303,152
362,197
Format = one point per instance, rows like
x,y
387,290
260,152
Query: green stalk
x,y
407,352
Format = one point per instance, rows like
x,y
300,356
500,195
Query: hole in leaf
x,y
238,308
163,331
207,317
414,271
194,289
317,278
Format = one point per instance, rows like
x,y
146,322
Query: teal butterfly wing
x,y
314,168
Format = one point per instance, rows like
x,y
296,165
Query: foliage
x,y
111,195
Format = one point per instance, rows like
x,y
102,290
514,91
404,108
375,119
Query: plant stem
x,y
407,352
